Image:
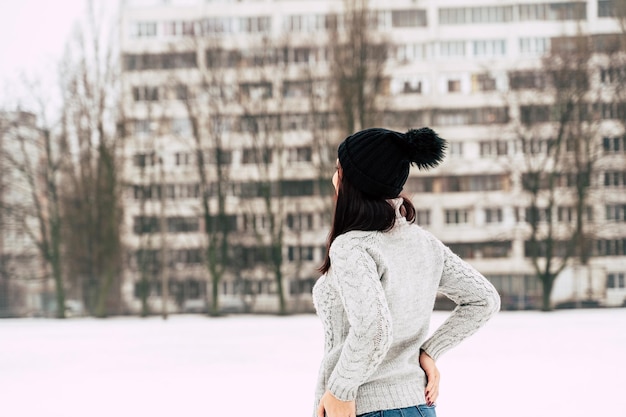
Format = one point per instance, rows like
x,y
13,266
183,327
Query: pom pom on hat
x,y
377,161
426,147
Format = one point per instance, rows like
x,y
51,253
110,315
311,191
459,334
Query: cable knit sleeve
x,y
355,276
477,301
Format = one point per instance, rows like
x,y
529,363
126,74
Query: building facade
x,y
23,287
242,89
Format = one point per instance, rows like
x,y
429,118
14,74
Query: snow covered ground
x,y
565,363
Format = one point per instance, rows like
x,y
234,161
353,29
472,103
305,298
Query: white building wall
x,y
523,42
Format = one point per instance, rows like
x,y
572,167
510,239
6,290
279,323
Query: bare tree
x,y
265,150
358,57
91,132
205,105
37,161
559,162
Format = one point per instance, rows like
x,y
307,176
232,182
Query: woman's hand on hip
x,y
432,377
335,407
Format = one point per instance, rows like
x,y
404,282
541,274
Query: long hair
x,y
355,210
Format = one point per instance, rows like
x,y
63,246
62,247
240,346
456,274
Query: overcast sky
x,y
33,33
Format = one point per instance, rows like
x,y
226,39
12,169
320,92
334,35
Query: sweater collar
x,y
397,203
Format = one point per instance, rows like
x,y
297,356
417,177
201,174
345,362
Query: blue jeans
x,y
421,410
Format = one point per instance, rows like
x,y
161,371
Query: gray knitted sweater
x,y
375,303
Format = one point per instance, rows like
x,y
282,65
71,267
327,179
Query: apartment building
x,y
471,71
22,280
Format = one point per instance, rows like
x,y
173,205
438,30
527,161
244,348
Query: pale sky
x,y
33,34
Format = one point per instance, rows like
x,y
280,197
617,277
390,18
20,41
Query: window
x,y
410,52
495,249
615,178
452,49
142,62
406,85
482,249
143,225
457,216
486,14
145,93
257,91
181,127
218,156
143,29
615,280
606,8
609,111
301,286
452,16
180,28
255,222
553,11
474,116
256,156
259,123
295,188
305,23
185,256
295,121
408,18
534,114
455,149
565,214
256,24
520,80
297,89
142,127
537,146
219,58
300,253
144,159
217,222
300,154
454,86
419,185
494,148
611,247
493,215
181,92
182,224
534,46
218,25
490,48
422,217
538,215
172,191
610,75
300,221
483,82
616,212
616,144
491,14
182,158
472,183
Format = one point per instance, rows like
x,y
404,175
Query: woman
x,y
380,278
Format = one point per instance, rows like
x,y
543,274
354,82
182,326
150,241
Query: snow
x,y
565,363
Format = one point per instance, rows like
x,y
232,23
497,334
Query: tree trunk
x,y
59,288
215,293
547,281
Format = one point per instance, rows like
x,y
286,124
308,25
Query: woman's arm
x,y
355,276
476,299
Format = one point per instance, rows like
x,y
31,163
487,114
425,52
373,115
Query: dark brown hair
x,y
355,210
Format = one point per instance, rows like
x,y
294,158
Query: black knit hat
x,y
376,161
